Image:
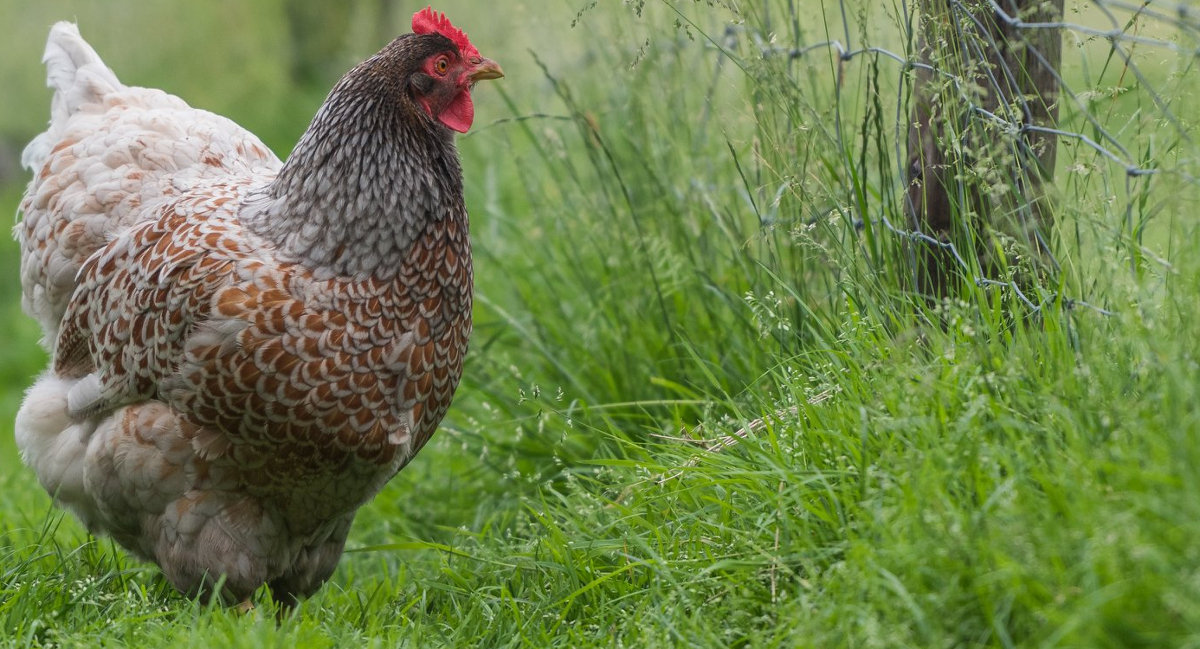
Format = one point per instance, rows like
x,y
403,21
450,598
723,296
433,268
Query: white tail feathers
x,y
78,76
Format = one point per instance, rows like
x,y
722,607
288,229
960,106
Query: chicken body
x,y
243,351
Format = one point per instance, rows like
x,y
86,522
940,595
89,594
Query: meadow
x,y
701,407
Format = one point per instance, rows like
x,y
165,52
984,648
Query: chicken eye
x,y
441,65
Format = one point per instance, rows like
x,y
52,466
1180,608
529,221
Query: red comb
x,y
428,21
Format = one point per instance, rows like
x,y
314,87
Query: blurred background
x,y
266,64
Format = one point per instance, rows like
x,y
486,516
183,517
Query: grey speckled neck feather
x,y
370,174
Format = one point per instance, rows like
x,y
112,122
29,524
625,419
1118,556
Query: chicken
x,y
243,350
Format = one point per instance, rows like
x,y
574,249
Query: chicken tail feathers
x,y
78,76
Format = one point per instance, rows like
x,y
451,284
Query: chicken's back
x,y
110,157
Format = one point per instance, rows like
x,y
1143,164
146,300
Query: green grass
x,y
667,260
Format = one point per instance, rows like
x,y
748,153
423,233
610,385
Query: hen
x,y
244,350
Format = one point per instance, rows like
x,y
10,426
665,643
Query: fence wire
x,y
1104,31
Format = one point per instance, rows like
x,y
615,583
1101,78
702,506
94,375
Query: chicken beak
x,y
486,69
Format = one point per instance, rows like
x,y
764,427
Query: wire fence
x,y
1107,46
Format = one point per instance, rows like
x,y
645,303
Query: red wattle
x,y
460,113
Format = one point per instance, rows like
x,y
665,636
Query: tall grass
x,y
681,245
